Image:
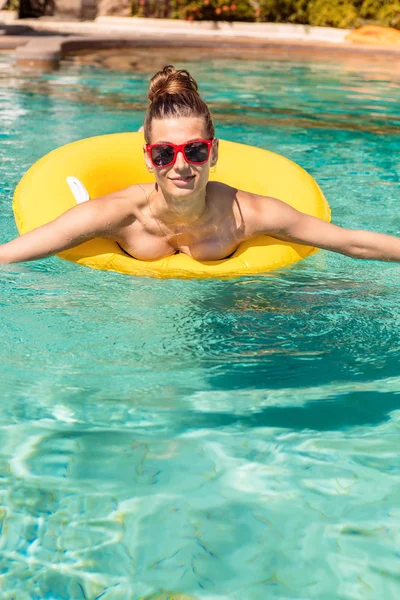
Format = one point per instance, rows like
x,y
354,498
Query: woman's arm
x,y
284,222
98,218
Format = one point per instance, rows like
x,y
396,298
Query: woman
x,y
183,211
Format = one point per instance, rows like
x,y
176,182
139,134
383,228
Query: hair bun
x,y
171,81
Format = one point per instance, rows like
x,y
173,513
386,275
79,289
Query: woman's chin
x,y
180,190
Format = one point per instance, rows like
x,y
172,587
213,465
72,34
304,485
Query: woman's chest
x,y
215,243
144,245
216,240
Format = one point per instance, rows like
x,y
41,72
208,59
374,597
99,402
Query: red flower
x,y
225,8
218,11
233,7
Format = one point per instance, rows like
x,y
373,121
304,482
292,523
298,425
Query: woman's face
x,y
181,179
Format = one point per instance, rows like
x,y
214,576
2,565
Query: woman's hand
x,y
102,217
284,222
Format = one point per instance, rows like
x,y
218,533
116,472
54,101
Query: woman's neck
x,y
179,211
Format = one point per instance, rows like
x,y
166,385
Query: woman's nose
x,y
180,162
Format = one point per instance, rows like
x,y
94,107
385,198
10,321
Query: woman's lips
x,y
182,181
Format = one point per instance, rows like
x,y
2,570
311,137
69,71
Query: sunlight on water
x,y
214,439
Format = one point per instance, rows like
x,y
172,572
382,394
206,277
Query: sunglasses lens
x,y
162,155
196,152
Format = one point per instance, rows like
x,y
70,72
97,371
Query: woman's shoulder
x,y
134,196
140,193
251,207
220,189
223,191
124,201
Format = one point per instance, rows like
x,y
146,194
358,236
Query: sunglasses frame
x,y
179,148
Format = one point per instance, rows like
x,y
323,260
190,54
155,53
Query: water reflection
x,y
274,93
205,436
144,353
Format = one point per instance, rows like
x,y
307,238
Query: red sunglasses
x,y
164,154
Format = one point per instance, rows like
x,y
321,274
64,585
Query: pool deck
x,y
44,42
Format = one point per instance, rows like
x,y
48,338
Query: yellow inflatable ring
x,y
107,163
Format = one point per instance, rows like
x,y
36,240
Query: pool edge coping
x,y
44,42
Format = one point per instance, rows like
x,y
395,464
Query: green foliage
x,y
331,13
213,10
12,5
323,13
196,10
369,9
283,11
159,9
389,14
335,13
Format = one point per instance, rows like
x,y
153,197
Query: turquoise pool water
x,y
219,439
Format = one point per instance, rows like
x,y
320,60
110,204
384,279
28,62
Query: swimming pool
x,y
219,439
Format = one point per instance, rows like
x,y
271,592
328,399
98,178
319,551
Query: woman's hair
x,y
174,93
